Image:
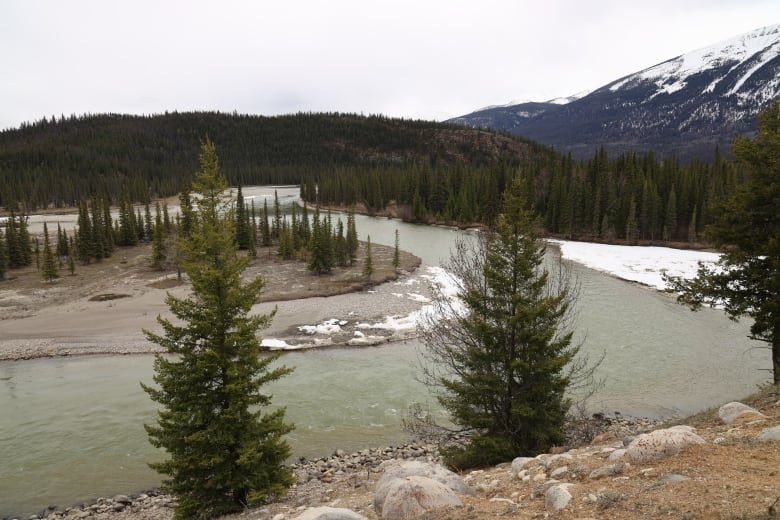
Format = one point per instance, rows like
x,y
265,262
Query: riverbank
x,y
729,476
103,307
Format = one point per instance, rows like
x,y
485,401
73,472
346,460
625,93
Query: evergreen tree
x,y
148,223
84,235
501,366
225,453
397,251
632,224
185,203
23,240
670,220
13,248
320,259
277,224
340,246
108,231
62,241
166,218
368,261
746,279
242,228
265,230
49,269
352,238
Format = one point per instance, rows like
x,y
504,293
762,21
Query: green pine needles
x,y
501,357
224,452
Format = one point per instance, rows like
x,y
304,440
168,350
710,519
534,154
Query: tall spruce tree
x,y
224,451
368,261
49,267
499,365
746,279
352,237
243,230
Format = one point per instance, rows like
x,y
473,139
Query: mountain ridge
x,y
684,106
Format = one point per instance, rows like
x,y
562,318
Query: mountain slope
x,y
683,106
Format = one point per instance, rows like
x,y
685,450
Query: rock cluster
x,y
152,504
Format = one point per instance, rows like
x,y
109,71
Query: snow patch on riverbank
x,y
645,265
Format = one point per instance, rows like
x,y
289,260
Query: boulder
x,y
410,497
408,468
730,412
409,488
769,434
557,497
607,471
660,444
329,513
616,455
519,464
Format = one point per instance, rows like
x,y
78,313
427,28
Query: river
x,y
72,428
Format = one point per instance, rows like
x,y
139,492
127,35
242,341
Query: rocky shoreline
x,y
315,477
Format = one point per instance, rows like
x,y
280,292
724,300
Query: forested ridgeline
x,y
429,171
59,162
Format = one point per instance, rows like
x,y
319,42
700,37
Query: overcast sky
x,y
430,59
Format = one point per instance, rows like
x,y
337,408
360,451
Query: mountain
x,y
683,106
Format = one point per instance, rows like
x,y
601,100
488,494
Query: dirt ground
x,y
104,306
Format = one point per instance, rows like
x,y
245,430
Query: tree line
x,y
631,197
309,237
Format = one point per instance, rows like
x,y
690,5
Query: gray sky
x,y
430,59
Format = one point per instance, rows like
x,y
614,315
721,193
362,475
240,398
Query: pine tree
x,y
277,224
84,235
49,268
185,203
500,367
242,229
397,251
368,261
746,279
340,246
352,238
13,248
225,453
670,220
632,224
320,259
148,223
23,239
265,230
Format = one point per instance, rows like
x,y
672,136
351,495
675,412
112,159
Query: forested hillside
x,y
629,197
429,172
61,161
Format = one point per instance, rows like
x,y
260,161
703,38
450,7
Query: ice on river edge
x,y
644,265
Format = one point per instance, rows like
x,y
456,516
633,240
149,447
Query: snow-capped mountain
x,y
683,106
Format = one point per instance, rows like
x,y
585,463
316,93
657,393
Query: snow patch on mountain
x,y
672,75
